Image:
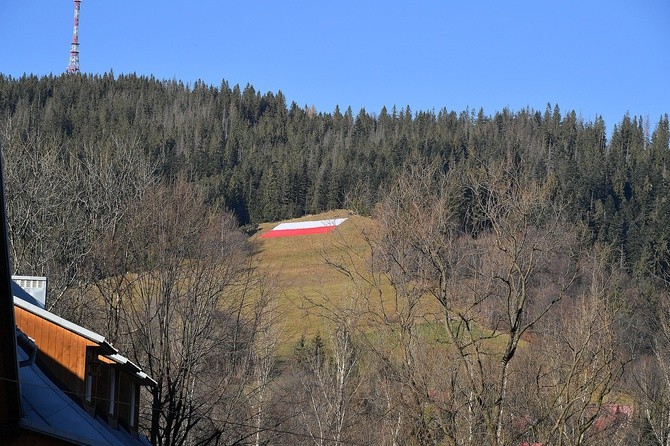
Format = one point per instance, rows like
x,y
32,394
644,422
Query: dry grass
x,y
306,279
311,286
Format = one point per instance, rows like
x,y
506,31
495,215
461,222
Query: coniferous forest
x,y
509,220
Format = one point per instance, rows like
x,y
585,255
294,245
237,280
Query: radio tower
x,y
73,67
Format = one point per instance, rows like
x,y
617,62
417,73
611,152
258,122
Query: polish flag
x,y
303,228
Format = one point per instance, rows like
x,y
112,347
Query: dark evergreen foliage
x,y
266,160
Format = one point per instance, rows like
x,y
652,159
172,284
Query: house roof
x,y
27,302
132,368
24,300
48,410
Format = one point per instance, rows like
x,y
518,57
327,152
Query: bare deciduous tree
x,y
174,310
565,384
653,378
64,203
494,275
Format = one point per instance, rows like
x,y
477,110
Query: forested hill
x,y
268,160
511,287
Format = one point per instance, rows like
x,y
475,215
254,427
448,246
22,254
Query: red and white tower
x,y
73,67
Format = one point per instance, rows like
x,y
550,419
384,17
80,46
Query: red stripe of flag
x,y
290,232
303,228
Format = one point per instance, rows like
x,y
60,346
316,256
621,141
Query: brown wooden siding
x,y
63,355
61,352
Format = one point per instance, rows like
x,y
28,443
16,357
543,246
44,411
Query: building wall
x,y
69,358
125,395
61,352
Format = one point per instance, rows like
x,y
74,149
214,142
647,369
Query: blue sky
x,y
592,56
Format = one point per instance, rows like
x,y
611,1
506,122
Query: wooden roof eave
x,y
105,347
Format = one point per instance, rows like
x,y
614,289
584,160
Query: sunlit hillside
x,y
305,271
312,275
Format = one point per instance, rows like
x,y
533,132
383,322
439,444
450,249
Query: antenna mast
x,y
73,67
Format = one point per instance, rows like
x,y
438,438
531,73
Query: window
x,y
88,396
92,370
133,402
112,391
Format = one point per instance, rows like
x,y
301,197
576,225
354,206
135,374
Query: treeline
x,y
266,160
543,243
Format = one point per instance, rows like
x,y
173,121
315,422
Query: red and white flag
x,y
303,228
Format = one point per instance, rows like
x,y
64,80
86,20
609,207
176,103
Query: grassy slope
x,y
306,280
310,287
305,277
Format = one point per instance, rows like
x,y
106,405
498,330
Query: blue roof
x,y
47,409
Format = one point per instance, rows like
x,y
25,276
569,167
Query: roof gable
x,y
26,302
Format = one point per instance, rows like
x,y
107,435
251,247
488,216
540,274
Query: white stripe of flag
x,y
303,228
